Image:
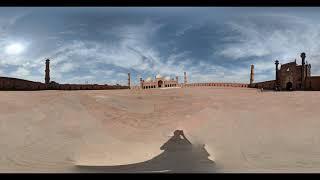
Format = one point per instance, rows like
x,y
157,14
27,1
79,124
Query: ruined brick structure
x,y
291,76
9,83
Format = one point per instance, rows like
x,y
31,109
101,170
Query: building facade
x,y
290,76
158,82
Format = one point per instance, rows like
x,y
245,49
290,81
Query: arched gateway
x,y
289,86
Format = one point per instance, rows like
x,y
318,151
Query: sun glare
x,y
14,48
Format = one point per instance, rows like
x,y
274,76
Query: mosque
x,y
160,82
290,76
167,82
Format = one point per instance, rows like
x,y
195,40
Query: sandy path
x,y
244,131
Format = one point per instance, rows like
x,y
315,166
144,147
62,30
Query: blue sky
x,y
101,45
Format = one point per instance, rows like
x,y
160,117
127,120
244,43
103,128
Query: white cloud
x,y
21,72
255,40
67,67
285,43
81,80
123,75
181,32
217,73
5,24
24,73
135,52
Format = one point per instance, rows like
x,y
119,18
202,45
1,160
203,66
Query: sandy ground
x,y
243,130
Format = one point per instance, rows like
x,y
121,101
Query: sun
x,y
14,49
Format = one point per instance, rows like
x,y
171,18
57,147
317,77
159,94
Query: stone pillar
x,y
252,74
47,72
129,80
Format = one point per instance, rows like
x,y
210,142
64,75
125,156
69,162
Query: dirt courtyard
x,y
243,130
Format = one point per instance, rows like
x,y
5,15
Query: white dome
x,y
167,78
158,76
148,79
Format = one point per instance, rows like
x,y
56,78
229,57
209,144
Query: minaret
x,y
177,79
252,74
303,70
141,84
47,71
185,78
277,70
129,80
277,74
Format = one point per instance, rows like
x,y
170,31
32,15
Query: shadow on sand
x,y
179,156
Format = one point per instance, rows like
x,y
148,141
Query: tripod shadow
x,y
179,156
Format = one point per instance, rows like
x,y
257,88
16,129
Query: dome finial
x,y
158,76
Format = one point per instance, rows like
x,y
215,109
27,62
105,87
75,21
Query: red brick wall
x,y
7,83
217,84
314,81
86,87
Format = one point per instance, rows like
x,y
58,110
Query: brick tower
x,y
303,70
252,74
277,83
47,72
129,80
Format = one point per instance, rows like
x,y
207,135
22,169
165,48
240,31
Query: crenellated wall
x,y
85,87
217,84
8,83
241,85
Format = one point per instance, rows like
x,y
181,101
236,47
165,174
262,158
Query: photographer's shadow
x,y
179,156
